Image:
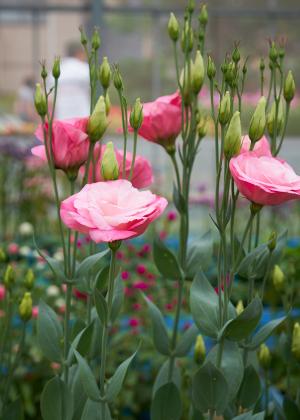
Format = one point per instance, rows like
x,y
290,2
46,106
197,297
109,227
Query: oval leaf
x,y
91,263
250,389
166,404
264,333
165,261
101,306
186,341
163,374
56,401
49,332
95,411
87,378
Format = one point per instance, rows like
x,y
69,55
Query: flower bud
x,y
56,68
173,27
191,6
239,307
296,341
40,101
278,278
273,53
203,16
97,123
29,279
96,40
258,121
211,68
187,38
200,350
202,127
136,115
272,241
262,64
236,56
83,37
271,118
232,142
245,69
118,82
9,277
230,73
197,73
104,73
289,87
44,73
224,109
109,164
25,307
264,356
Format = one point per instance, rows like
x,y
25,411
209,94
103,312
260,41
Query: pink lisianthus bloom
x,y
111,211
264,180
35,312
162,120
142,175
2,292
70,143
261,147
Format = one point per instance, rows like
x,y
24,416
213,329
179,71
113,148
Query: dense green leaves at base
x,y
166,404
56,401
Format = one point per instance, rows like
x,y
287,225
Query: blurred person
x,y
24,106
73,96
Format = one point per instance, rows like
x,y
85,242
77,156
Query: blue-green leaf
x,y
250,389
163,376
264,333
92,263
49,332
186,341
56,401
166,404
87,378
95,411
165,261
101,306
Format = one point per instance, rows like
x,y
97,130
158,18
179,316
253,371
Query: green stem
x,y
135,136
287,110
67,330
267,274
176,169
124,127
266,392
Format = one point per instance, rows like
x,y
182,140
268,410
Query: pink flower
x,y
162,120
35,312
172,215
261,148
136,306
142,175
124,275
264,180
70,143
140,269
134,322
13,248
111,211
79,295
141,285
2,292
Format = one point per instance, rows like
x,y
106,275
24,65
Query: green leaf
x,y
210,389
290,409
87,378
232,365
250,416
241,327
102,278
118,299
49,332
82,342
92,263
178,200
165,261
199,255
250,389
204,305
159,330
166,404
264,333
56,401
13,411
254,264
93,411
186,341
162,377
116,381
79,397
101,306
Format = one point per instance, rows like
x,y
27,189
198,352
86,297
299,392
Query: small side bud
x,y
200,350
40,101
272,241
136,115
273,53
56,68
96,40
272,116
173,27
258,121
262,65
289,87
224,109
97,123
118,82
211,68
197,73
44,73
203,16
232,142
29,279
202,127
239,307
264,356
191,6
236,55
9,277
296,341
230,73
104,73
109,164
25,307
187,38
83,37
278,279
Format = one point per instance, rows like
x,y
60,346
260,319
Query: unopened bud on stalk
x,y
258,121
197,73
200,350
211,68
281,52
136,115
187,38
232,142
230,73
25,307
97,123
245,69
264,356
278,279
262,65
29,279
191,6
272,116
236,56
109,164
44,73
96,40
56,68
273,53
296,341
40,101
203,16
272,242
118,82
239,307
9,277
202,127
289,87
224,109
104,73
83,37
173,27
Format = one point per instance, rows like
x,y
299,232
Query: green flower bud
x,y
104,73
232,142
211,68
272,241
264,356
187,38
281,52
197,73
271,118
9,277
258,121
191,6
40,101
262,64
245,69
109,164
278,279
224,109
273,53
230,73
83,37
173,27
236,56
203,16
289,87
96,40
29,279
136,115
296,341
239,307
97,123
25,307
201,34
199,350
118,82
56,68
185,81
224,67
202,127
44,73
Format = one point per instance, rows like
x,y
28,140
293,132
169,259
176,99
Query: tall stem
x,y
67,330
135,136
